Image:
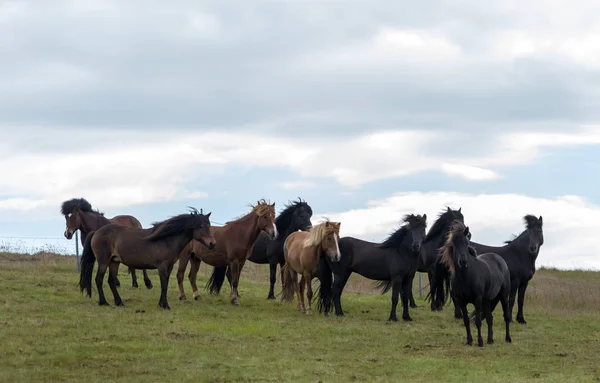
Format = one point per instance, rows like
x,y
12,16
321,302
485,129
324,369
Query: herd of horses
x,y
457,268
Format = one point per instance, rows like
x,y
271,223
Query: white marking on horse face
x,y
69,215
275,232
338,254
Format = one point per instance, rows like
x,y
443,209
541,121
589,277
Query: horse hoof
x,y
413,306
149,285
235,302
119,304
309,312
183,298
508,339
103,304
196,297
407,319
394,319
271,297
490,341
521,320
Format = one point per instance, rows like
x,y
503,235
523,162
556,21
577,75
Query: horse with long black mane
x,y
520,255
79,215
234,242
155,248
295,216
302,250
435,238
392,263
482,280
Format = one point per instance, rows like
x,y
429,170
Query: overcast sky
x,y
367,110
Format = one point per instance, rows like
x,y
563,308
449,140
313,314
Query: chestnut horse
x,y
302,251
234,243
80,216
155,248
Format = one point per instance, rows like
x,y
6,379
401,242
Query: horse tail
x,y
384,286
215,282
325,289
289,279
87,265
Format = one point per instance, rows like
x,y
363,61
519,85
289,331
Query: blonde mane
x,y
261,208
457,228
317,233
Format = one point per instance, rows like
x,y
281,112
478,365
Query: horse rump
x,y
87,266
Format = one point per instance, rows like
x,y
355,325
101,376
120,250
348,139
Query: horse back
x,y
498,268
126,220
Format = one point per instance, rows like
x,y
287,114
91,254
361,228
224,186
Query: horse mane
x,y
261,208
81,204
444,218
531,222
396,238
317,233
456,231
174,225
284,219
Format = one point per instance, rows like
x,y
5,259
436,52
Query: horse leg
x,y
478,306
457,311
302,290
434,302
411,298
235,276
309,293
396,287
511,300
164,270
507,315
193,276
228,275
467,323
99,281
183,261
113,268
147,280
406,289
521,301
134,283
489,319
272,278
339,282
298,289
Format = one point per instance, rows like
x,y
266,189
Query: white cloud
x,y
570,223
292,185
469,172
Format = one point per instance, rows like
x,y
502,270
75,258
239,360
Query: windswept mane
x,y
317,233
443,221
81,204
456,232
176,225
284,219
396,238
531,222
261,208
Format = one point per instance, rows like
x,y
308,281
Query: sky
x,y
366,110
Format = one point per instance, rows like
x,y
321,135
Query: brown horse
x,y
234,243
302,250
80,216
155,248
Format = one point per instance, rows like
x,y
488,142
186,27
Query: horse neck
x,y
249,228
179,241
520,246
91,222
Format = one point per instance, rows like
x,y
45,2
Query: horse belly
x,y
213,258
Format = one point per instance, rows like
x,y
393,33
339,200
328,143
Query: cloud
x,y
570,223
293,185
469,172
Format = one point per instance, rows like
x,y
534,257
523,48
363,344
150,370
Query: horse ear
x,y
273,204
208,215
425,217
448,208
466,231
459,209
541,221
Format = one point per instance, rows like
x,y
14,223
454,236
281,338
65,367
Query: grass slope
x,y
50,332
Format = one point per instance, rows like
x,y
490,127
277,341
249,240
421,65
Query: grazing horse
x,y
302,251
429,248
520,255
80,216
295,216
155,248
392,263
483,280
234,243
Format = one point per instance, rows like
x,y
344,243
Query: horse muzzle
x,y
68,234
211,245
416,247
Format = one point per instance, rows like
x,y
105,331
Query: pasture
x,y
49,331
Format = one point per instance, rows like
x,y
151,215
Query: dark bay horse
x,y
295,216
482,280
392,262
302,250
520,255
80,216
234,243
436,236
155,248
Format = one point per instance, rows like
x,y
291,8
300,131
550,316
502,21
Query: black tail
x,y
439,288
216,280
325,289
87,266
384,286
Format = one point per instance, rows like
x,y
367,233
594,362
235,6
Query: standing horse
x,y
296,216
483,280
80,216
234,243
429,249
392,262
154,248
302,251
520,255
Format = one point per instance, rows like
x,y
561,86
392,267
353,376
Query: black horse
x,y
520,255
295,216
391,263
429,249
482,280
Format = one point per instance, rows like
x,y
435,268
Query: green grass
x,y
50,332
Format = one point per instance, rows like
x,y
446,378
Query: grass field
x,y
50,332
